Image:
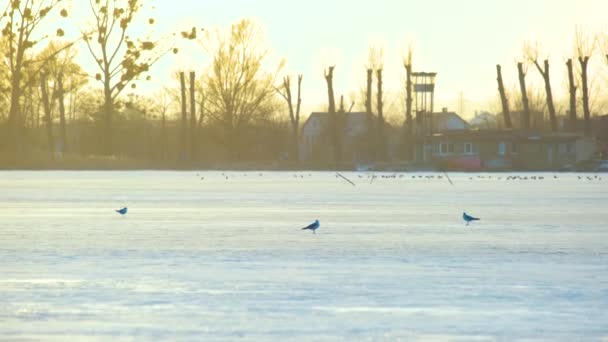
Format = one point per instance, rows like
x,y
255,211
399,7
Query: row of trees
x,y
585,47
234,109
121,59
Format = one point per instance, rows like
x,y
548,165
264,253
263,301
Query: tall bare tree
x,y
62,123
532,52
525,120
239,88
572,91
371,132
503,99
294,116
407,63
193,126
119,57
60,66
584,45
47,115
183,154
21,20
335,127
382,143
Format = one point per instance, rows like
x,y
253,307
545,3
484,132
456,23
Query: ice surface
x,y
219,256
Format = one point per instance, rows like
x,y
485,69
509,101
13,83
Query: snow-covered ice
x,y
220,256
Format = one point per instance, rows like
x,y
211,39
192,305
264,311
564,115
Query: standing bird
x,y
313,226
469,218
121,211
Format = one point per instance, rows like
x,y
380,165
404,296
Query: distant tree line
x,y
241,107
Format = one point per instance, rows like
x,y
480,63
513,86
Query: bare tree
x,y
294,116
120,59
376,129
525,122
503,99
572,92
532,52
47,115
407,63
382,145
333,116
239,89
193,126
584,45
60,99
60,66
369,114
21,20
163,104
184,122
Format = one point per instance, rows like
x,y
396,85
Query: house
x,y
316,144
439,122
504,150
600,131
485,120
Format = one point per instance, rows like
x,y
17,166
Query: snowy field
x,y
212,256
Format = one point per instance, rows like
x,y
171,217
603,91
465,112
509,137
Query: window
x,y
515,148
468,148
502,148
450,148
570,147
443,148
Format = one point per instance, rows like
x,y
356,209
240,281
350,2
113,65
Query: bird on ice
x,y
313,226
469,218
121,211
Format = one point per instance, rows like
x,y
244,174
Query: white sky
x,y
461,40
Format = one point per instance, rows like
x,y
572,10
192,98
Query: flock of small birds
x,y
372,176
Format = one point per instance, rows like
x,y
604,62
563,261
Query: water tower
x,y
424,94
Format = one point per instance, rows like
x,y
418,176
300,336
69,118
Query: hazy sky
x,y
461,40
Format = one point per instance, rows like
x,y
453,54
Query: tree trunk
x,y
163,136
408,99
550,106
60,94
370,117
544,72
182,153
14,125
193,149
382,153
296,123
201,110
109,113
572,90
586,112
503,99
47,115
525,119
333,118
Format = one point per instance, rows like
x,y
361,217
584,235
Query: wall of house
x,y
585,149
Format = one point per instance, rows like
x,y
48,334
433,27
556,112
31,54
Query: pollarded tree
x,y
239,88
294,115
584,45
533,52
20,22
121,59
407,64
525,119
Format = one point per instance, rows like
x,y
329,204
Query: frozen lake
x,y
211,256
